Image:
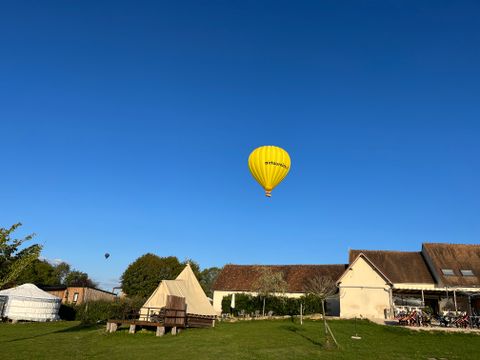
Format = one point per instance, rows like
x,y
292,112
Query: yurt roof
x,y
28,291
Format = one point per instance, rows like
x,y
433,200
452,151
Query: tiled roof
x,y
455,257
398,266
242,277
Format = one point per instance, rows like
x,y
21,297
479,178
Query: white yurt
x,y
28,302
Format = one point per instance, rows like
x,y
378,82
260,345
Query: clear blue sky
x,y
126,128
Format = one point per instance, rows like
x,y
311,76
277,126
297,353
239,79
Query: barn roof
x,y
455,257
242,277
64,287
398,266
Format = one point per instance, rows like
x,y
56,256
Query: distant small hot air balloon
x,y
107,255
269,165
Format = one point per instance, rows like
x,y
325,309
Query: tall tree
x,y
61,271
194,266
78,278
39,272
268,283
143,275
44,273
14,260
207,278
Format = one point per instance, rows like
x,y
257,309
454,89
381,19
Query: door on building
x,y
432,304
3,302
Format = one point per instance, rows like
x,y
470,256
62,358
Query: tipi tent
x,y
185,285
28,302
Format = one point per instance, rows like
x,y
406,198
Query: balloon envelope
x,y
107,255
269,165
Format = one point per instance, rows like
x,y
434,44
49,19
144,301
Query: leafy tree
x,y
207,278
194,265
42,272
13,260
143,275
61,272
39,272
21,266
269,282
78,278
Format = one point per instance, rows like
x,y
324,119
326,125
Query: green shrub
x,y
313,304
101,310
279,305
93,311
67,312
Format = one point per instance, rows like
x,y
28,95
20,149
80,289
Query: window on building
x,y
75,297
467,272
448,272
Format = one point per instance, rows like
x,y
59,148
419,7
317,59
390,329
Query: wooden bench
x,y
161,328
173,317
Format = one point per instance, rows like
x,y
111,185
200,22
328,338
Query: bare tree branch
x,y
321,286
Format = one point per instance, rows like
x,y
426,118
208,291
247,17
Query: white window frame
x,y
467,272
448,272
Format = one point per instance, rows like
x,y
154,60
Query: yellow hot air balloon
x,y
269,165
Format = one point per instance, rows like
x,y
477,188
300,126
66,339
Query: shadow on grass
x,y
75,328
80,327
299,331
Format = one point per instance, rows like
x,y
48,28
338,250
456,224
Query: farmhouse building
x,y
79,294
442,276
237,279
378,283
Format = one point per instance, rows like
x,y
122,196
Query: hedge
x,y
101,310
279,305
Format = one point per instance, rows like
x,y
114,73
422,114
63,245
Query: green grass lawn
x,y
276,339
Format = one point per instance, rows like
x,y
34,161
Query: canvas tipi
x,y
185,285
28,302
